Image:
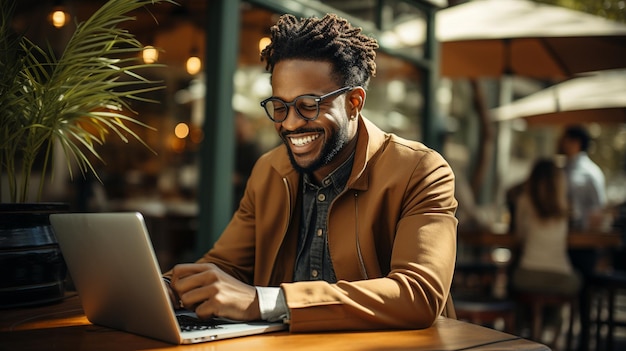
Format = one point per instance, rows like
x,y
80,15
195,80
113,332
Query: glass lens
x,y
277,109
307,107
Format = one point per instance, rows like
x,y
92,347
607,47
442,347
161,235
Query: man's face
x,y
318,146
569,146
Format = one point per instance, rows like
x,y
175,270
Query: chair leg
x,y
573,312
611,320
599,298
569,334
537,323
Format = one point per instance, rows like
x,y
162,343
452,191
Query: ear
x,y
356,98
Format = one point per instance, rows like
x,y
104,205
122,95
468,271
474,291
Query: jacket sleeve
x,y
414,291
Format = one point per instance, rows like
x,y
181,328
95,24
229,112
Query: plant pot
x,y
32,269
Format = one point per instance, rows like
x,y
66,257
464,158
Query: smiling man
x,y
343,226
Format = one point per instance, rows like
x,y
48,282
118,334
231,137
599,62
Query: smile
x,y
303,140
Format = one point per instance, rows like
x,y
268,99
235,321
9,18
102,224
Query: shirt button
x,y
314,273
320,232
321,197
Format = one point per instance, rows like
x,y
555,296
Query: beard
x,y
332,147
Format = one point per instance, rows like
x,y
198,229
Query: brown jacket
x,y
391,237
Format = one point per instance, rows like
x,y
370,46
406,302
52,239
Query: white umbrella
x,y
595,97
495,37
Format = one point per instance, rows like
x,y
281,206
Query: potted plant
x,y
76,101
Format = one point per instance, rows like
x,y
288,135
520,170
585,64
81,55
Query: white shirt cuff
x,y
272,303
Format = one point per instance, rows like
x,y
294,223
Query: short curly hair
x,y
331,39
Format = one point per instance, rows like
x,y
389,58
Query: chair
x,y
538,301
475,300
603,290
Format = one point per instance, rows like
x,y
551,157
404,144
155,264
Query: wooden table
x,y
576,240
63,326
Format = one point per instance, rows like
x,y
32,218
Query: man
x,y
343,226
586,184
586,199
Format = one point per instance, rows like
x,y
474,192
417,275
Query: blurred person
x,y
586,183
541,226
586,194
586,199
343,226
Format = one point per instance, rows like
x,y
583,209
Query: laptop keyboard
x,y
188,323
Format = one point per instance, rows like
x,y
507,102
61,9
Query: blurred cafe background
x,y
449,75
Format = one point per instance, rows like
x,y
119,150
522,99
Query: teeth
x,y
303,141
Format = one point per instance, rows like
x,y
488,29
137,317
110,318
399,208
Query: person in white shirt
x,y
586,183
587,200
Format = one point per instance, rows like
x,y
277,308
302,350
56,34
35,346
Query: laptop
x,y
116,274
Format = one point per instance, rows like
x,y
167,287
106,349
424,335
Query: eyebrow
x,y
308,94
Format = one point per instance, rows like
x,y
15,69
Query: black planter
x,y
32,269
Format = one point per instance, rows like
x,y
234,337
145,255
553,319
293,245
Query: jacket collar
x,y
371,140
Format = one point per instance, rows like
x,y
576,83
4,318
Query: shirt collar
x,y
337,178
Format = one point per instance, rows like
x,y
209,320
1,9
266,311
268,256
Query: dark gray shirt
x,y
313,259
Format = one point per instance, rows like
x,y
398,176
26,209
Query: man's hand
x,y
207,290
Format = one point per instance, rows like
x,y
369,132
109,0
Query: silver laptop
x,y
113,266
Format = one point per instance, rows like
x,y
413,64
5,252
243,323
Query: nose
x,y
293,120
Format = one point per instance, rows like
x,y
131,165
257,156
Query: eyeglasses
x,y
306,106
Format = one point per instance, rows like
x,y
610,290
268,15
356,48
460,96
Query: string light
x,y
150,54
181,131
263,42
59,18
194,64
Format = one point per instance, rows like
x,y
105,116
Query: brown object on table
x,y
63,326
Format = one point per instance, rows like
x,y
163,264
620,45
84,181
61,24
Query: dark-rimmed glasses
x,y
306,106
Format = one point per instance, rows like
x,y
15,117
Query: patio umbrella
x,y
595,97
491,38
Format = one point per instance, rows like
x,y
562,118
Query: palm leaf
x,y
76,100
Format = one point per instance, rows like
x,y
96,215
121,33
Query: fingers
x,y
187,277
194,298
234,300
190,282
209,291
188,269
